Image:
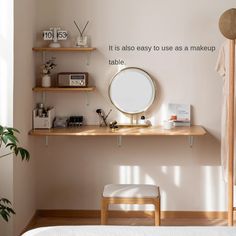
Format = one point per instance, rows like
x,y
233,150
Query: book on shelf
x,y
181,123
180,114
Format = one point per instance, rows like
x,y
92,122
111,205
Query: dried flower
x,y
48,66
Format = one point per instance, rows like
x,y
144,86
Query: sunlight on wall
x,y
132,175
177,176
129,175
6,101
6,62
214,196
209,196
153,119
123,119
3,91
120,67
125,174
149,180
164,169
222,192
163,112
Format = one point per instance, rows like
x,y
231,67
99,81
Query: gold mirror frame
x,y
153,86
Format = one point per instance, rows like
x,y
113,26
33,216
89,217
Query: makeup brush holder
x,y
82,41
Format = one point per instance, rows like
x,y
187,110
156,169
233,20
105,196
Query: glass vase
x,y
82,41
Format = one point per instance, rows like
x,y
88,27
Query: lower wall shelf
x,y
93,130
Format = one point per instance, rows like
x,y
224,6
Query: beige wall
x,y
24,34
71,172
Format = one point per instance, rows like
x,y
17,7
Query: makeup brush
x,y
108,114
101,114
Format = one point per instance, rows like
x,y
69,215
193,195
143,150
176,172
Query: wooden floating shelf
x,y
93,130
43,49
60,89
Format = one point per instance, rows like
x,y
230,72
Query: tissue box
x,y
43,122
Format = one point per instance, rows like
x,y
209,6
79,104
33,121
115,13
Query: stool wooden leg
x,y
157,212
104,209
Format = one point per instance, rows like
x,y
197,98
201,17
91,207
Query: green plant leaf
x,y
16,150
4,215
10,210
7,137
12,138
6,201
1,129
5,210
4,139
12,130
27,155
11,145
24,153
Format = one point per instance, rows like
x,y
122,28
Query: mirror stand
x,y
134,122
132,119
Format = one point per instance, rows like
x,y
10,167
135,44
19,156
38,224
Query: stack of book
x,y
178,123
180,114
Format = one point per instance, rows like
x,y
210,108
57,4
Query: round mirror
x,y
132,90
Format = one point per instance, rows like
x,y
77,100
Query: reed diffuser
x,y
81,40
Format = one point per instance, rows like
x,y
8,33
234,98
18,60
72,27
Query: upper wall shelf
x,y
44,49
60,89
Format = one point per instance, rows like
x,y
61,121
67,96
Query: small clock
x,y
55,34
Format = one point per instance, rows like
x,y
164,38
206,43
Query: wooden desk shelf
x,y
93,130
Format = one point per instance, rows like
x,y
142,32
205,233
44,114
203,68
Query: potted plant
x,y
9,140
47,67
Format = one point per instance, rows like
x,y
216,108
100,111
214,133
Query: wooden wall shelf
x,y
60,89
44,49
93,130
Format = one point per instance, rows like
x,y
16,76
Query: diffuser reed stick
x,y
81,32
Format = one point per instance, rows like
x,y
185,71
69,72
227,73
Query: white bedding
x,y
131,231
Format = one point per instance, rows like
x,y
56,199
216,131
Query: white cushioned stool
x,y
130,194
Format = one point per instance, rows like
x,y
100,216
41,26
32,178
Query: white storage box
x,y
43,122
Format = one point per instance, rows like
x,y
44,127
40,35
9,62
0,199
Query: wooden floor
x,y
52,221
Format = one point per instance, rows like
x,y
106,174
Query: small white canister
x,y
168,124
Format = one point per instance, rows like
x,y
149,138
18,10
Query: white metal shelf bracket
x,y
119,141
190,141
88,58
43,57
46,141
44,97
87,98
